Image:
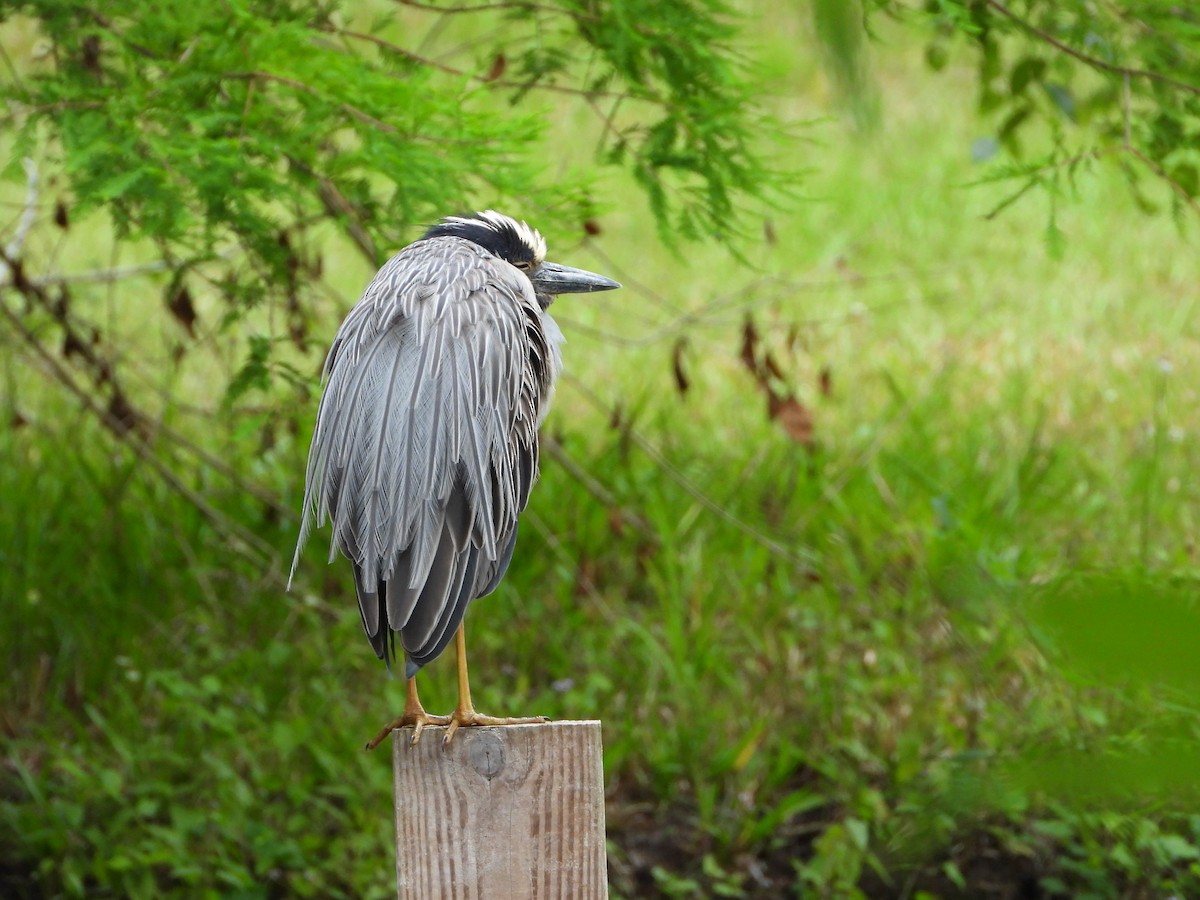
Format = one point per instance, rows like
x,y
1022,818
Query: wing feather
x,y
425,446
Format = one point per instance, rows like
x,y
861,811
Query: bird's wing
x,y
425,446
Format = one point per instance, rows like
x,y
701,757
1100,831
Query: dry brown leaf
x,y
749,354
182,309
499,64
681,380
793,416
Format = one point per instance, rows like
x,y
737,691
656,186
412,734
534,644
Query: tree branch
x,y
516,5
348,109
1094,62
117,417
119,428
336,206
1158,170
102,276
481,79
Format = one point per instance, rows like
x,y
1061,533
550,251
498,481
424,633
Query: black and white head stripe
x,y
508,238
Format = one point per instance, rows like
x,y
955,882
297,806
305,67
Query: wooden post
x,y
512,812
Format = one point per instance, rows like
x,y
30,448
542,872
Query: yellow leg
x,y
464,713
414,714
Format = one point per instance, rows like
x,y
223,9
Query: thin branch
x,y
223,524
33,289
481,79
524,6
1158,170
102,276
28,108
12,250
1094,62
1127,109
1112,150
744,299
263,495
397,49
140,49
348,109
555,450
337,206
516,5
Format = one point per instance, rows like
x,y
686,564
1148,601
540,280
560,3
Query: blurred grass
x,y
864,714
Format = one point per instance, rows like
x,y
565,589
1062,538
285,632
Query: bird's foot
x,y
468,716
417,717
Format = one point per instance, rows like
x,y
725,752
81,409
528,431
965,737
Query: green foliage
x,y
901,658
1108,854
162,795
1070,86
230,143
194,129
163,745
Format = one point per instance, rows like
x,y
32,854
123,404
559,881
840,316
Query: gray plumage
x,y
425,447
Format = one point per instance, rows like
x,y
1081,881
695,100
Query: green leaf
x,y
1062,97
1029,69
1056,240
254,373
1176,847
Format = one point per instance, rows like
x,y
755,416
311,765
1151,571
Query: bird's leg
x,y
414,714
464,713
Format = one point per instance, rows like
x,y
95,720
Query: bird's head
x,y
523,248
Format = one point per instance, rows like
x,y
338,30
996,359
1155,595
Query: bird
x,y
425,446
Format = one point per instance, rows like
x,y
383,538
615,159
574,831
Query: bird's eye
x,y
524,265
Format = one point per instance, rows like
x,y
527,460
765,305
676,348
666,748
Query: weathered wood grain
x,y
514,812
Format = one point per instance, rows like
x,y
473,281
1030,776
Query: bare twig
x,y
555,450
717,312
263,495
526,6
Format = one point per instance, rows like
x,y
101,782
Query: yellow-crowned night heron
x,y
426,442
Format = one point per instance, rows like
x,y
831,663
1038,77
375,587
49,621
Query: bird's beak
x,y
551,278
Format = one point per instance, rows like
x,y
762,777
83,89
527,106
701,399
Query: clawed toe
x,y
469,717
419,721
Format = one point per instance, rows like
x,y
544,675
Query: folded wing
x,y
425,446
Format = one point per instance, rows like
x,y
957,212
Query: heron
x,y
425,447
